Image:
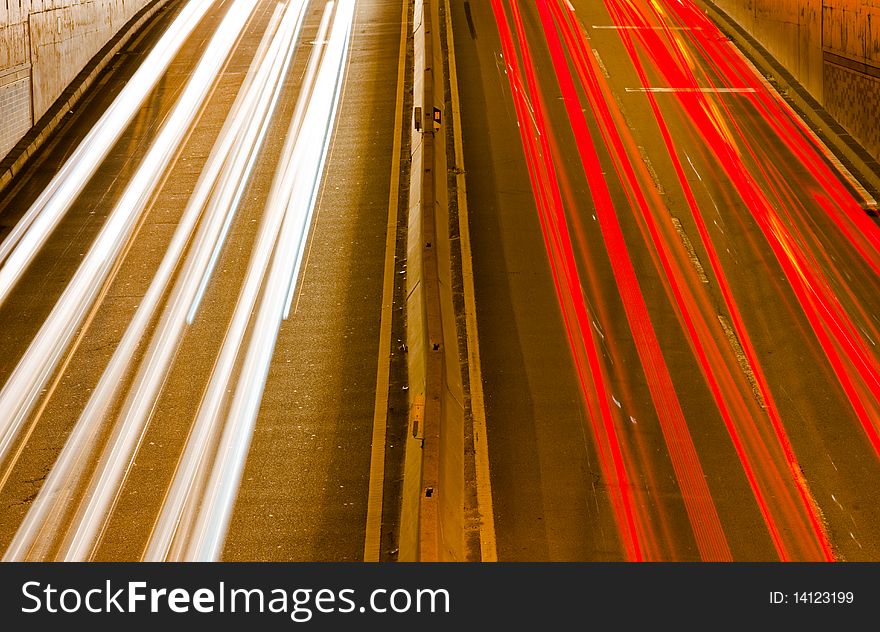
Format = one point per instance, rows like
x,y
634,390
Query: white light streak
x,y
24,386
196,511
30,233
292,202
259,100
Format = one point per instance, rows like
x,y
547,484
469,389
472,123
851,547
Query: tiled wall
x,y
851,48
853,98
15,104
851,28
15,73
51,41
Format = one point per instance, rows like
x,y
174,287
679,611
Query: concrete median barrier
x,y
432,520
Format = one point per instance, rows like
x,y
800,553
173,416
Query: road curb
x,y
43,129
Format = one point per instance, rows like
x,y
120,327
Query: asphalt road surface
x,y
676,293
190,350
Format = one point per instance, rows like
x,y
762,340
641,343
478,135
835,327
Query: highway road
x,y
196,296
676,294
202,291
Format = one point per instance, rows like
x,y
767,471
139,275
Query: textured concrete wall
x,y
791,30
851,28
44,44
831,46
851,49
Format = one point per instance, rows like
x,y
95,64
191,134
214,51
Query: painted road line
x,y
693,90
488,548
615,27
601,63
373,537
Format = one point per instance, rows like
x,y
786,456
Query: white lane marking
x,y
691,251
375,497
693,166
601,64
694,90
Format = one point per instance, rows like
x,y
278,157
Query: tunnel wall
x,y
44,44
831,46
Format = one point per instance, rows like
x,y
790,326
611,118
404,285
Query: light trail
x,y
766,483
192,465
41,523
701,510
568,288
733,372
750,445
31,232
703,90
247,134
846,349
23,387
600,273
272,271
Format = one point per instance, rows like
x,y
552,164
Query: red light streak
x,y
621,15
566,278
765,451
